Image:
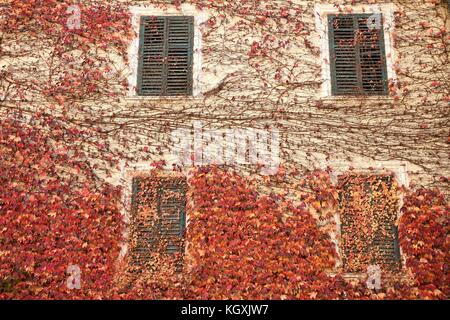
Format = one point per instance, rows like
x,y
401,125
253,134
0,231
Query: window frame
x,y
200,17
321,12
394,263
332,50
165,73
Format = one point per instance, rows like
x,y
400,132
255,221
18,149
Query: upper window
x,y
165,56
357,54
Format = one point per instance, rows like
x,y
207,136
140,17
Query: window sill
x,y
162,98
347,275
360,98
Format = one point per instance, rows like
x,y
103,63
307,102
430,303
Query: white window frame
x,y
137,12
321,12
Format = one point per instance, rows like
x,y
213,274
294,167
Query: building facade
x,y
360,90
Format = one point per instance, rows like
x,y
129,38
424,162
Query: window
x,y
165,56
159,216
368,206
357,54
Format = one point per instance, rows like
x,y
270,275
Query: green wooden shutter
x,y
140,252
152,53
386,236
357,56
165,56
180,50
168,199
385,240
172,215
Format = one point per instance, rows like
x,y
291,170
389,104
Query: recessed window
x,y
368,206
357,54
165,56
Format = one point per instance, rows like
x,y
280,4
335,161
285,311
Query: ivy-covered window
x,y
357,54
165,56
159,216
368,206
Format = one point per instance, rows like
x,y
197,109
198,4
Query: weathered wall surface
x,y
281,82
261,65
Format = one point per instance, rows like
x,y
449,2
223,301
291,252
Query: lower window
x,y
368,206
159,217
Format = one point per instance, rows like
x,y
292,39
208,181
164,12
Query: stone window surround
x,y
400,171
321,11
127,173
133,50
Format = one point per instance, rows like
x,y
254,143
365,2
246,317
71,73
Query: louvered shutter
x,y
165,229
171,212
357,55
385,232
165,56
